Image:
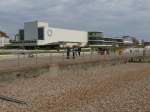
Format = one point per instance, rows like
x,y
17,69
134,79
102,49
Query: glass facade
x,y
97,38
96,42
21,34
40,33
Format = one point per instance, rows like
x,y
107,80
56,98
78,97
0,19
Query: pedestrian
x,y
76,51
68,52
107,51
79,51
73,52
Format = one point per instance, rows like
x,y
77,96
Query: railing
x,y
33,58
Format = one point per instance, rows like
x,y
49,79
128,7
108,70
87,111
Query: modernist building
x,y
119,42
39,33
146,43
4,39
98,39
126,41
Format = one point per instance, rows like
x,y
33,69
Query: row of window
x,y
98,43
100,38
40,34
95,34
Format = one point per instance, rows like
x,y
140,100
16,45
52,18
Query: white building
x,y
4,39
128,40
38,33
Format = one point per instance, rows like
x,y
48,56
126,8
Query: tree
x,y
135,41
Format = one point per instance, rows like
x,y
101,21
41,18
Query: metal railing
x,y
32,58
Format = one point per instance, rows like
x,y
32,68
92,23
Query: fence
x,y
36,58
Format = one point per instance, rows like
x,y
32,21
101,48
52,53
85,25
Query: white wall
x,y
65,35
30,31
42,24
133,52
4,41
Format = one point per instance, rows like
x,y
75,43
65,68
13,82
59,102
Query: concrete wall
x,y
57,35
64,35
30,31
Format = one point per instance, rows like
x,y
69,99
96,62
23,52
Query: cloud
x,y
114,17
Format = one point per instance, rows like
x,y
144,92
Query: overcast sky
x,y
113,17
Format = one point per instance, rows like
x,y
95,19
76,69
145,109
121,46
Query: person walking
x,y
68,53
73,52
79,51
76,51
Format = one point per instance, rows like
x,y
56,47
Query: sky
x,y
113,17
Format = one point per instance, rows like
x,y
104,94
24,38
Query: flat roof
x,y
94,32
38,21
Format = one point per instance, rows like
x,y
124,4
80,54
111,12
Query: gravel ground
x,y
120,88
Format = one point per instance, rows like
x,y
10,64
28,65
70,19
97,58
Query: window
x,y
95,38
108,39
21,33
96,43
40,33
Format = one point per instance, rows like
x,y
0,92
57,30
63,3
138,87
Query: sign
x,y
49,32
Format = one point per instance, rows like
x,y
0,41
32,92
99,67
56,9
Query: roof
x,y
94,32
3,34
40,21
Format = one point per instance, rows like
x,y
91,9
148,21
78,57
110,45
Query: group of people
x,y
76,51
103,51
